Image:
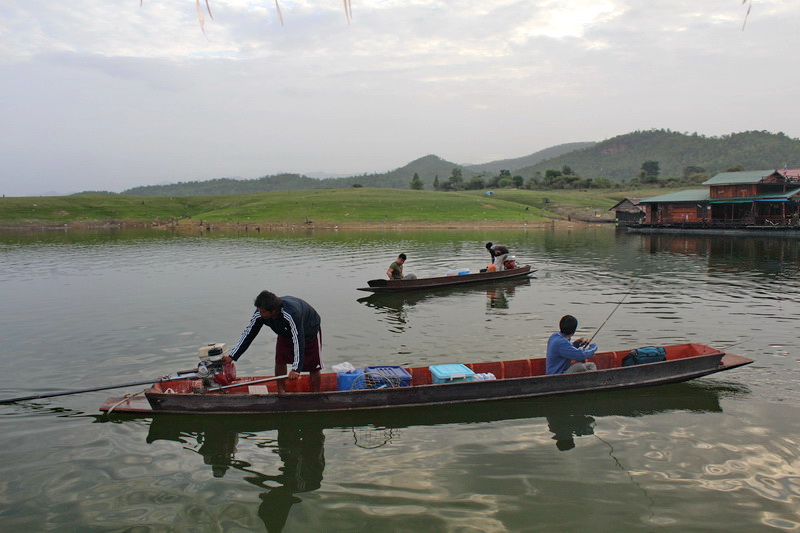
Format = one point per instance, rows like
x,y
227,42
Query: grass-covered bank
x,y
341,207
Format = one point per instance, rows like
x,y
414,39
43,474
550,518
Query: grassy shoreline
x,y
358,208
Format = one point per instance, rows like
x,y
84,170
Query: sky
x,y
100,95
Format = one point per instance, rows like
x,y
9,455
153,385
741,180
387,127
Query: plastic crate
x,y
451,373
378,377
350,380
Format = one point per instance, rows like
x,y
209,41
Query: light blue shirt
x,y
561,351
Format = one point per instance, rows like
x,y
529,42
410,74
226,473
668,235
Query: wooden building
x,y
628,211
733,199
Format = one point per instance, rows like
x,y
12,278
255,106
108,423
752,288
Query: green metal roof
x,y
691,195
731,178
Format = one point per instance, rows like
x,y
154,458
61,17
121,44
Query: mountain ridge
x,y
618,159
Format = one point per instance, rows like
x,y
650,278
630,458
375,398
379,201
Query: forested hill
x,y
427,168
495,167
620,158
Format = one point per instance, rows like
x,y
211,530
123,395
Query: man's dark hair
x,y
267,300
568,324
488,246
402,256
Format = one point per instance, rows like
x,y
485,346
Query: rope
x,y
124,399
375,380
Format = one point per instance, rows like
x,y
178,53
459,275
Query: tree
x,y
475,184
691,170
518,181
551,173
436,185
649,173
456,181
416,183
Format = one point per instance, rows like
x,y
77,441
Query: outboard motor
x,y
510,263
211,369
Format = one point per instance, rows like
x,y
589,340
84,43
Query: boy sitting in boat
x,y
395,270
562,350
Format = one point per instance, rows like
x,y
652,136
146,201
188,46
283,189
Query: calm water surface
x,y
97,308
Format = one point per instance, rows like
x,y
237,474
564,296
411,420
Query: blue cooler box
x,y
347,380
451,373
386,376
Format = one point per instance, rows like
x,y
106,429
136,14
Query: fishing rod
x,y
179,375
612,312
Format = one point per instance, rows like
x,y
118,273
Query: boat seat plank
x,y
606,360
516,369
420,375
495,367
538,366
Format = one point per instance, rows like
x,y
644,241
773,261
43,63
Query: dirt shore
x,y
194,225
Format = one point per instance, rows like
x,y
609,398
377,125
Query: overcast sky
x,y
102,95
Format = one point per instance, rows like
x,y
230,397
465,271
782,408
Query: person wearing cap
x,y
566,356
498,253
395,270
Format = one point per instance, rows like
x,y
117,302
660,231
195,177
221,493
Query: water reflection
x,y
565,426
300,442
217,439
770,256
394,308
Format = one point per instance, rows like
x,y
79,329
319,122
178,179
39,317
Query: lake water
x,y
88,309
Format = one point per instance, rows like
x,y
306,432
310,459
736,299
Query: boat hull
x,y
680,366
421,284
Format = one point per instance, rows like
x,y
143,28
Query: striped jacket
x,y
299,321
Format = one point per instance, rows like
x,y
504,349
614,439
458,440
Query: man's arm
x,y
570,351
247,337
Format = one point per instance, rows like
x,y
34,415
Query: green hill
x,y
427,168
620,158
346,207
494,167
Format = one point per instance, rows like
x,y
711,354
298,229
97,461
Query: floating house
x,y
628,211
759,198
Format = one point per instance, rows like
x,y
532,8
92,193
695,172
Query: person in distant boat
x,y
299,330
498,253
395,270
562,350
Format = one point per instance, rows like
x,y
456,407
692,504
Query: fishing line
x,y
652,503
614,310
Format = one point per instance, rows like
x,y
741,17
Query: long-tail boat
x,y
520,378
422,284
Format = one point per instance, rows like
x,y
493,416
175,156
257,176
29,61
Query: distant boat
x,y
522,378
421,284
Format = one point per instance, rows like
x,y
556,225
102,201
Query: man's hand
x,y
227,359
293,375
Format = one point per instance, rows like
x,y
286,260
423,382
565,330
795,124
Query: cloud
x,y
102,95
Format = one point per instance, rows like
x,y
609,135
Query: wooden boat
x,y
420,284
522,378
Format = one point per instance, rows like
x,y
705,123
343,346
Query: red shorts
x,y
312,358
